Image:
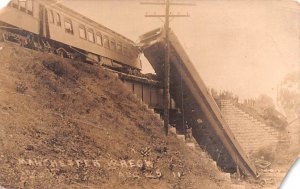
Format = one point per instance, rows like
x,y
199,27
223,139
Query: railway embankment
x,y
66,124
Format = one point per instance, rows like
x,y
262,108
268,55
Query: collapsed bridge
x,y
197,109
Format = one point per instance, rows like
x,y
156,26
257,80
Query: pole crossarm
x,y
157,3
163,15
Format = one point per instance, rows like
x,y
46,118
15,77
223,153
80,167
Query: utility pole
x,y
167,71
167,16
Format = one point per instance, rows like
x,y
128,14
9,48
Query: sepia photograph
x,y
149,94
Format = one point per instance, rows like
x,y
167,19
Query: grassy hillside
x,y
67,124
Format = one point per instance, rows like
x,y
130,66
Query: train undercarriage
x,y
36,42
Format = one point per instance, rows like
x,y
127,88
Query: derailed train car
x,y
49,26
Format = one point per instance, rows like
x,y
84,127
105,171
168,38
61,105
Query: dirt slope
x,y
66,124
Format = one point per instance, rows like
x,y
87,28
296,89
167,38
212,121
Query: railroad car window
x,y
129,52
82,33
29,6
58,20
105,42
15,3
119,47
51,16
99,39
125,51
113,44
133,51
68,26
91,36
22,4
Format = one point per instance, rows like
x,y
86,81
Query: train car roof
x,y
56,3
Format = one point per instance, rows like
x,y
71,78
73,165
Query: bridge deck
x,y
193,99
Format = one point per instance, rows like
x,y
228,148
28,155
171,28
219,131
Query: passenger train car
x,y
49,26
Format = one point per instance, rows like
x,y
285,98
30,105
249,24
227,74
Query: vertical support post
x,y
167,70
166,99
238,170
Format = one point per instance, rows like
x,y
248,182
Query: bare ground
x,y
66,124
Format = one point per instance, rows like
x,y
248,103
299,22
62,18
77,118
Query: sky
x,y
3,3
246,47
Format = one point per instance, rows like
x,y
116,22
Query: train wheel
x,y
76,56
61,53
22,43
2,37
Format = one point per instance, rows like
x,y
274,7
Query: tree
x,y
264,102
289,94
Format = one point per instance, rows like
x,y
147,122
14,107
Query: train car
x,y
49,26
